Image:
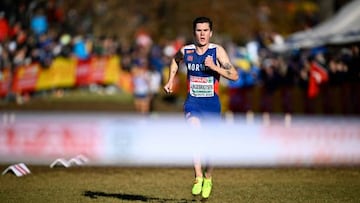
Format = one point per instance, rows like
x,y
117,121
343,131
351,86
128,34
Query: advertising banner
x,y
42,140
64,72
5,81
108,139
112,70
83,72
98,67
26,78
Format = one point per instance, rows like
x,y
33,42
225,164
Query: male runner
x,y
205,63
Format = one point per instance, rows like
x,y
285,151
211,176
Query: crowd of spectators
x,y
39,31
325,77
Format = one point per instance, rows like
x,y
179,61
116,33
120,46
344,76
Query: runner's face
x,y
202,34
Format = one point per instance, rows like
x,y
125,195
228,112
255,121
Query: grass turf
x,y
83,100
169,185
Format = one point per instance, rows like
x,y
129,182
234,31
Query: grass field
x,y
84,100
170,185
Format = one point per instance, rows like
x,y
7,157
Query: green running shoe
x,y
206,188
196,189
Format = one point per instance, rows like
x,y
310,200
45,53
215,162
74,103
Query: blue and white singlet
x,y
202,83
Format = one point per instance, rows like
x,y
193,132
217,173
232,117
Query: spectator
x,y
269,76
39,23
4,27
79,48
141,84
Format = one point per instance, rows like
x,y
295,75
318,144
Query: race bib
x,y
201,86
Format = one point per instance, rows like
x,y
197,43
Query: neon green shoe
x,y
206,188
196,189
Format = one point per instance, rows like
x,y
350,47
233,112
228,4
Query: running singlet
x,y
202,82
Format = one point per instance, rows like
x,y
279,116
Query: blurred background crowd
x,y
146,34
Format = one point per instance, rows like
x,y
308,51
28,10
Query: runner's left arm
x,y
226,69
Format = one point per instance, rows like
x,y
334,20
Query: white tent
x,y
343,27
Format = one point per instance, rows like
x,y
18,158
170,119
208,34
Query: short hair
x,y
202,19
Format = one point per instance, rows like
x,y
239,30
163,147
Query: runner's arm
x,y
226,69
174,66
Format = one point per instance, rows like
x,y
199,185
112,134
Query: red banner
x,y
98,68
26,78
83,72
65,73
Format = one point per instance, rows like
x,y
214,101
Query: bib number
x,y
201,86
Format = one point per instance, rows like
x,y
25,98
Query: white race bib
x,y
201,86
